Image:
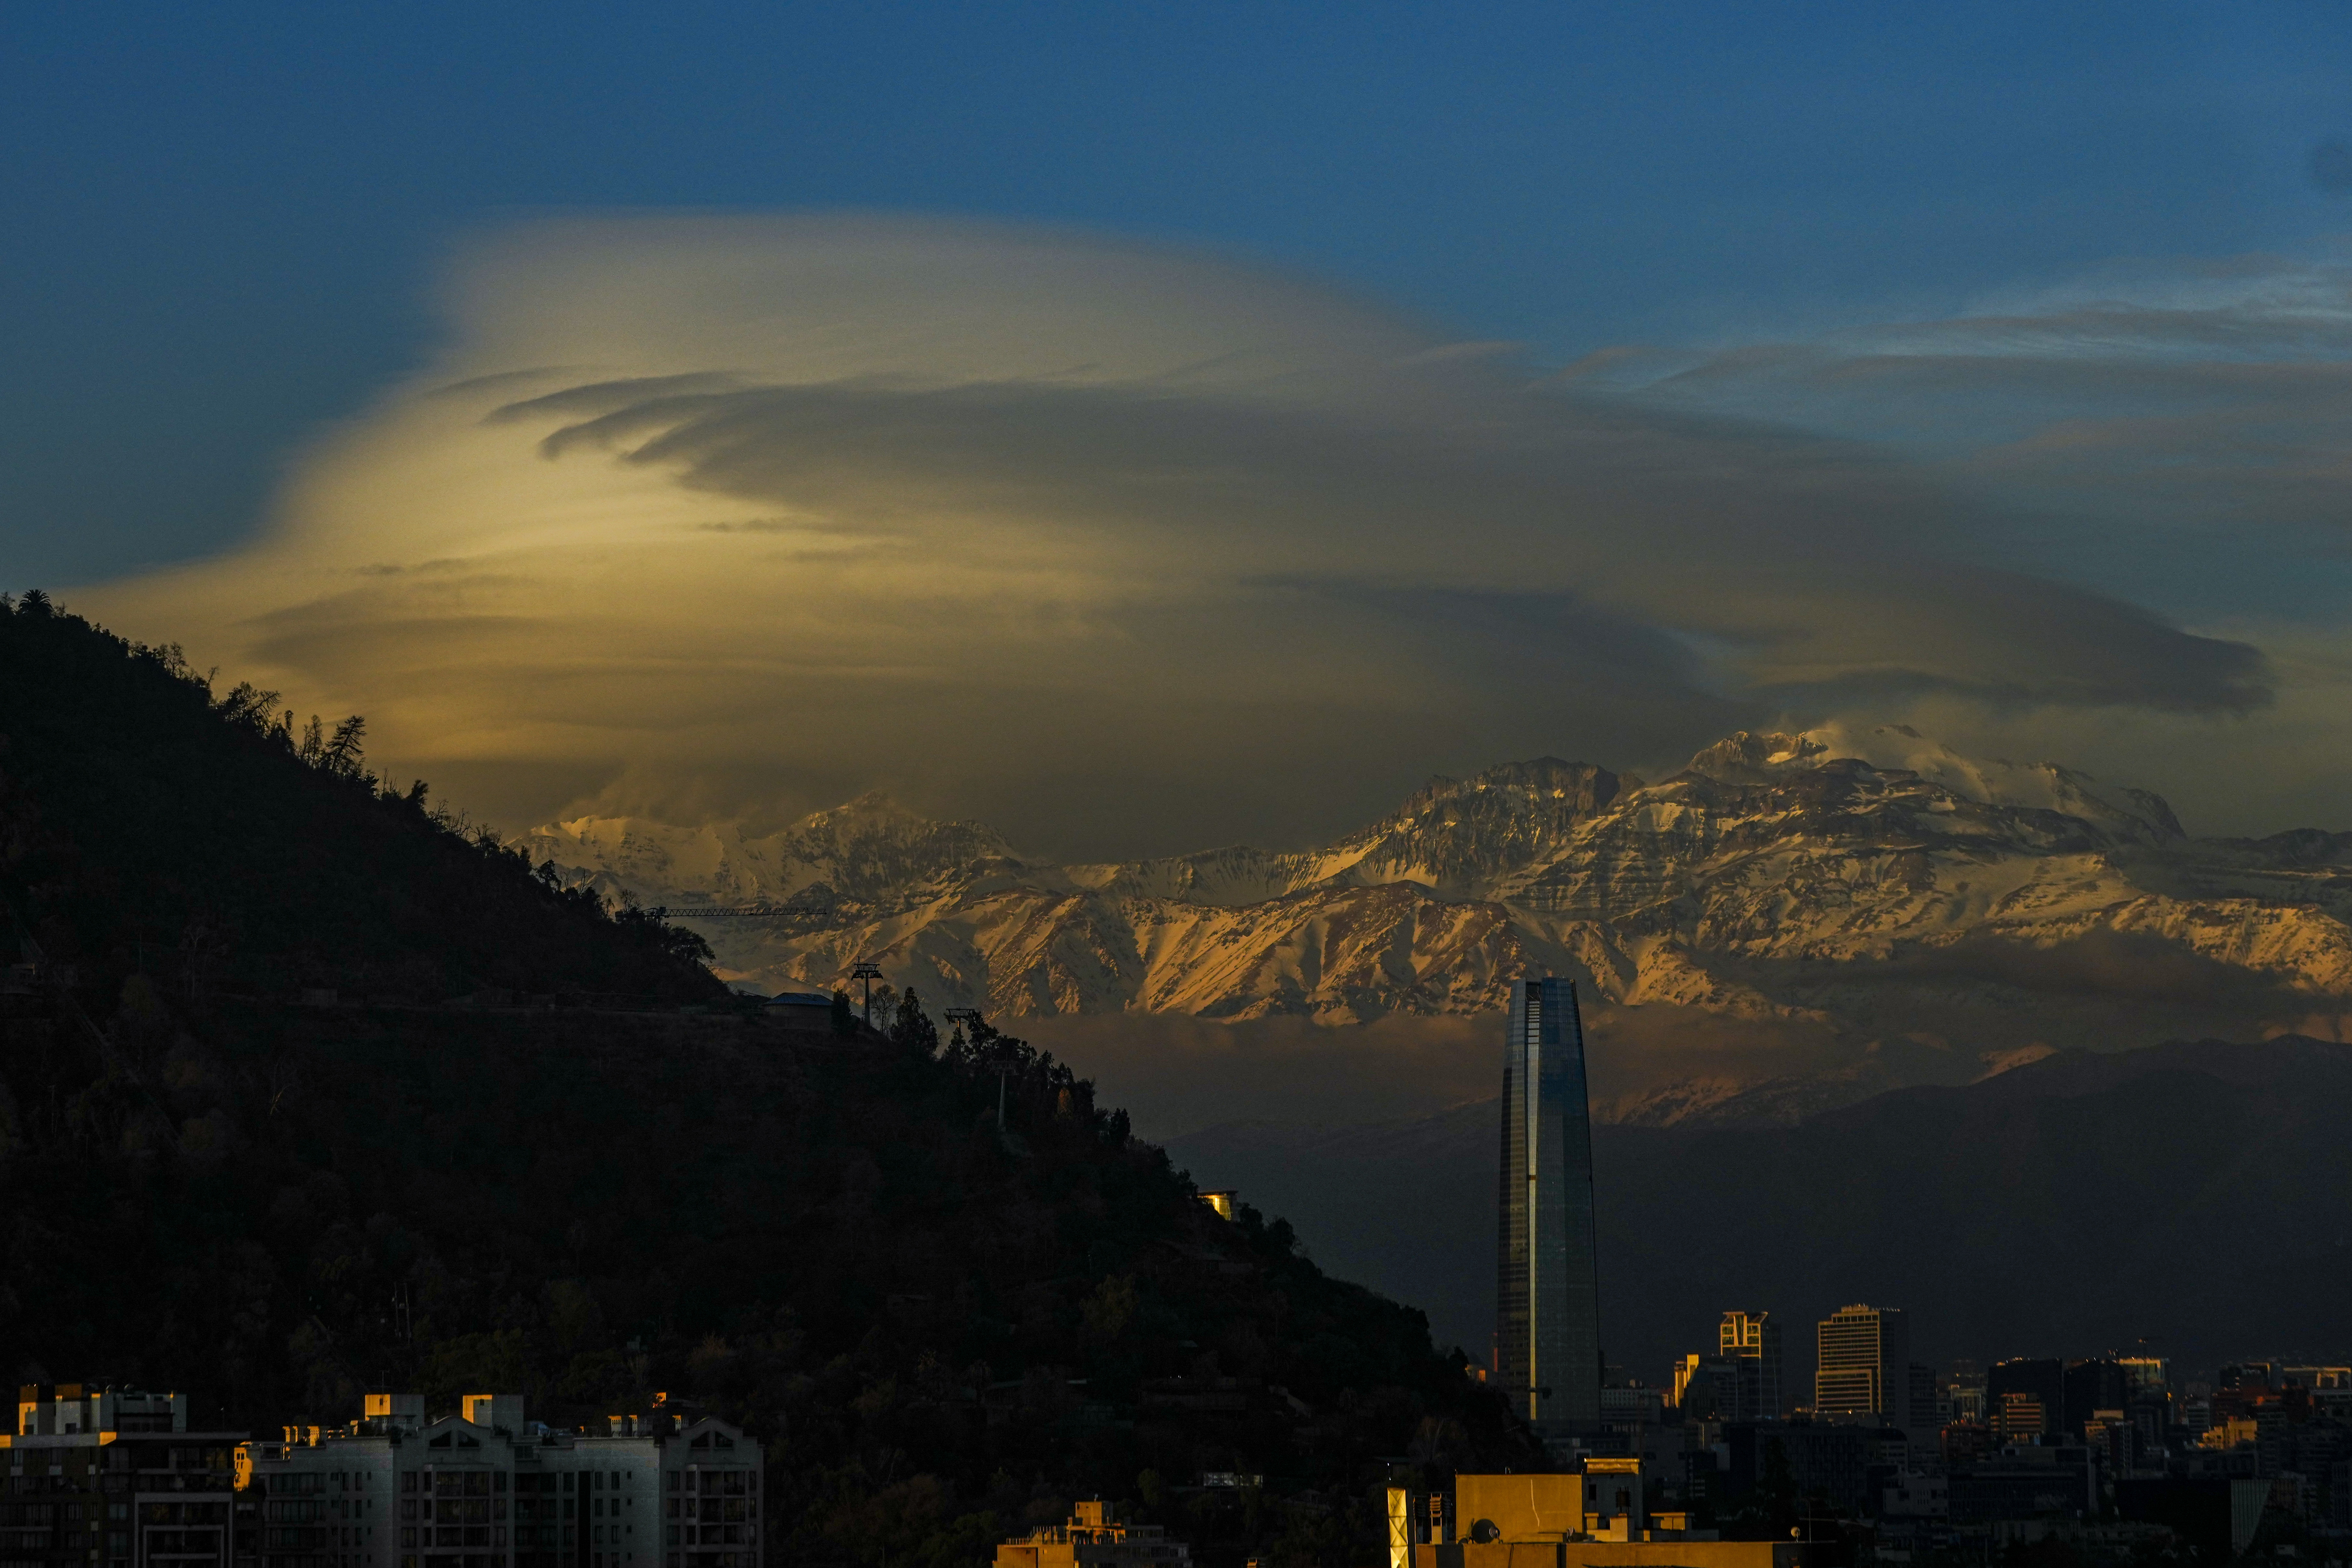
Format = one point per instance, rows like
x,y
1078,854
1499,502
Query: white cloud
x,y
1124,549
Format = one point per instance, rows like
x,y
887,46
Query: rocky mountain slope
x,y
1873,883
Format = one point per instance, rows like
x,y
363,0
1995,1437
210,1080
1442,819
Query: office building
x,y
2146,1376
1923,1410
1964,1394
2092,1387
1752,1342
1707,1388
1864,1363
2026,1483
107,1477
486,1490
2148,1398
1548,1322
1834,1461
2026,1398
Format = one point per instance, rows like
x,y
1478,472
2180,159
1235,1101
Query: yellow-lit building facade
x,y
1594,1518
1095,1534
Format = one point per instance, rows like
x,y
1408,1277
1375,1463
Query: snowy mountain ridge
x,y
1860,878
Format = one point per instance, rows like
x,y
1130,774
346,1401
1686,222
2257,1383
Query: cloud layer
x,y
1125,549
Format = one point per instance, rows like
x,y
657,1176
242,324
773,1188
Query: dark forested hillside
x,y
945,1328
148,826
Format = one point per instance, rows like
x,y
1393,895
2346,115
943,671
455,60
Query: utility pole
x,y
868,971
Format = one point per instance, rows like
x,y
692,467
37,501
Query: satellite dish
x,y
1485,1532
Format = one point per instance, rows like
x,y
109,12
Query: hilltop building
x,y
1548,1322
111,1477
486,1490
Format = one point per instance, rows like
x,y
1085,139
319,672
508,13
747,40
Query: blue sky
x,y
225,221
1997,359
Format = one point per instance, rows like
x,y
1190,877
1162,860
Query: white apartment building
x,y
483,1488
110,1477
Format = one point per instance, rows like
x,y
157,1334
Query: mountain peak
x,y
1586,788
875,807
1769,756
1754,758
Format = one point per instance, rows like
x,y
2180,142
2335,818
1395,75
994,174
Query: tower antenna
x,y
868,971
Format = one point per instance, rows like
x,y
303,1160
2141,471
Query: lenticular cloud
x,y
1124,549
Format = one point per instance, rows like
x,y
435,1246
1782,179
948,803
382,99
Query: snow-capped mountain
x,y
869,852
1871,880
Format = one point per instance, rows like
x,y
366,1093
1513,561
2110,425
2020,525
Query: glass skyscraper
x,y
1547,1317
1863,1364
1751,1343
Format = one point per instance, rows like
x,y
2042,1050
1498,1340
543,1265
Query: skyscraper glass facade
x,y
1751,1343
1548,1318
1863,1364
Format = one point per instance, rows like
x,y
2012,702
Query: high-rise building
x,y
2147,1376
1964,1391
1548,1315
1865,1365
2148,1398
2093,1387
2026,1397
1707,1388
1918,1413
1752,1342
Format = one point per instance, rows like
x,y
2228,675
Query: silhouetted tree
x,y
912,1030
